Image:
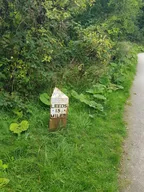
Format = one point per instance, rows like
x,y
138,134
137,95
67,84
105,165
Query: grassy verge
x,y
83,157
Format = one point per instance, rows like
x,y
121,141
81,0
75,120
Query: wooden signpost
x,y
58,110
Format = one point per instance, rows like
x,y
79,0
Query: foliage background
x,y
43,41
86,48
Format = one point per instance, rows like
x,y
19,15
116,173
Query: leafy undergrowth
x,y
83,157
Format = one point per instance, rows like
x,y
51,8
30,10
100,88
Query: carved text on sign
x,y
58,110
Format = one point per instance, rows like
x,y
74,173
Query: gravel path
x,y
132,177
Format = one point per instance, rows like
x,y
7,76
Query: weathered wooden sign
x,y
58,110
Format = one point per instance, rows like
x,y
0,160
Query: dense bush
x,y
44,41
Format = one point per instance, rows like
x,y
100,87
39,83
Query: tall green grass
x,y
83,157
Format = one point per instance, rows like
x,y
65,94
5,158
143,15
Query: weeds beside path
x,y
84,157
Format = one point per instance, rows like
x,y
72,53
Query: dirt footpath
x,y
132,177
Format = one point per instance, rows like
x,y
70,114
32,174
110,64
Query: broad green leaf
x,y
24,125
3,166
14,127
100,97
95,105
3,182
45,99
115,87
75,94
98,88
18,128
83,98
120,87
